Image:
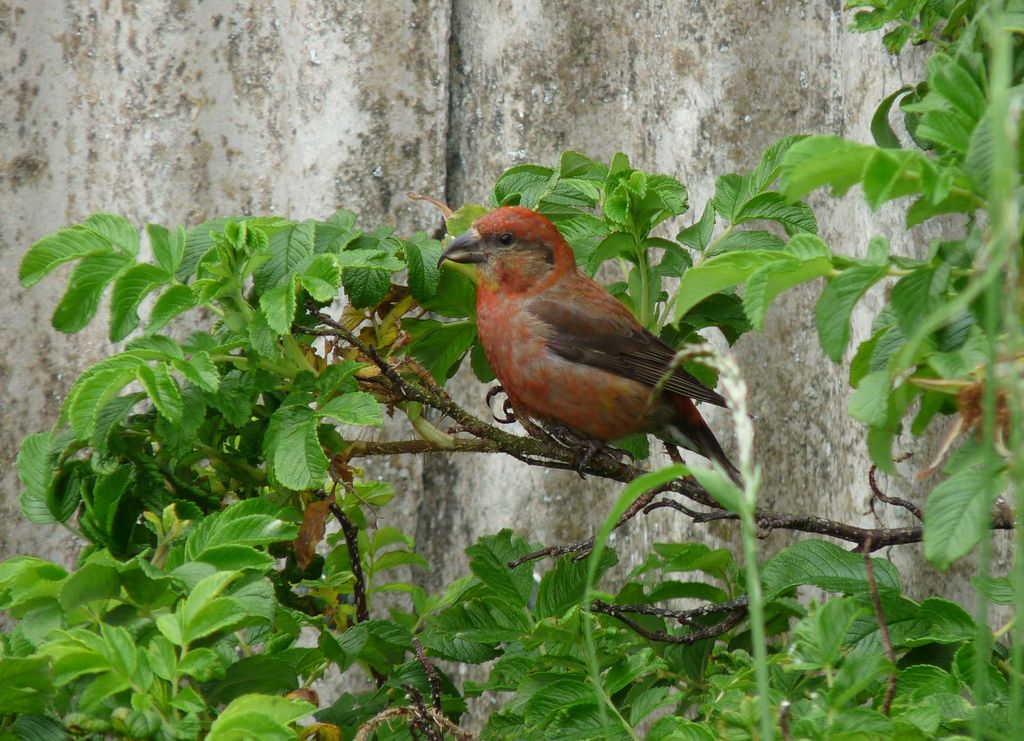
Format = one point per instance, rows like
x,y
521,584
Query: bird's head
x,y
515,250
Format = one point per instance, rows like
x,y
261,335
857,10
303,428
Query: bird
x,y
568,353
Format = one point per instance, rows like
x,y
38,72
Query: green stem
x,y
756,606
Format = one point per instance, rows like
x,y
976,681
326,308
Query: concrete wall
x,y
176,110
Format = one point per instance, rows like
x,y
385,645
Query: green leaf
x,y
892,174
422,255
674,728
161,389
818,638
870,401
614,245
25,686
832,312
85,288
200,371
698,236
718,273
954,83
958,511
278,305
321,278
94,389
488,560
257,673
168,249
562,587
745,240
949,129
522,185
771,205
880,129
56,249
463,217
293,449
823,160
93,581
438,346
117,230
768,282
354,408
266,717
823,565
365,287
43,501
173,301
131,287
289,250
719,486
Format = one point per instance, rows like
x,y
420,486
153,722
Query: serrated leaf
x,y
199,370
718,273
56,249
823,160
615,244
824,565
745,240
278,305
92,391
365,287
421,255
130,289
772,206
950,129
289,250
88,281
117,230
173,301
354,408
832,312
168,248
322,278
293,448
697,236
767,283
161,389
91,582
958,511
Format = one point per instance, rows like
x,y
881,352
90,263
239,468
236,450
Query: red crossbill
x,y
566,351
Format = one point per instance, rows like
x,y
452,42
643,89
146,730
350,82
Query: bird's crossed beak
x,y
464,248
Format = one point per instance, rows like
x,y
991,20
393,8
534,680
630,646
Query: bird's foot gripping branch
x,y
202,471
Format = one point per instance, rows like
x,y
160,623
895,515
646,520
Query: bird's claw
x,y
506,407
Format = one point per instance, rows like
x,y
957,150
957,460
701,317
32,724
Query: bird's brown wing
x,y
600,331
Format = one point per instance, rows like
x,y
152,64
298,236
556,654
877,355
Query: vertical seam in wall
x,y
449,114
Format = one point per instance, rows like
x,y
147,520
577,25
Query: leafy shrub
x,y
202,472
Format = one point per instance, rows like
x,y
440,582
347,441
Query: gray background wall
x,y
175,111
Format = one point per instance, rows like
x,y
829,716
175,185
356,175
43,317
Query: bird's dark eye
x,y
506,239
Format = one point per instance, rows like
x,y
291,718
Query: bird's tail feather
x,y
701,440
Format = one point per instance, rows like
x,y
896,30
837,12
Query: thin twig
x,y
877,495
730,621
883,629
431,672
366,731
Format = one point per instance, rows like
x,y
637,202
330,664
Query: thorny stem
x,y
359,587
883,629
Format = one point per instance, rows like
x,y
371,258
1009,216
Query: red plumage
x,y
566,351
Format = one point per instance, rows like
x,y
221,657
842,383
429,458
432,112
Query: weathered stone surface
x,y
174,112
